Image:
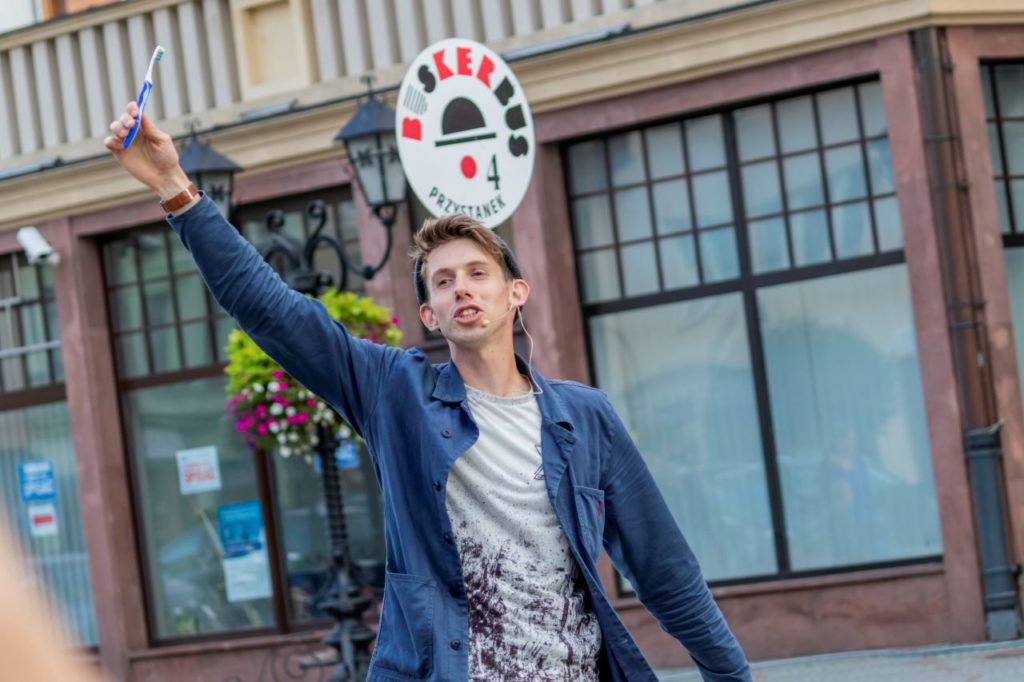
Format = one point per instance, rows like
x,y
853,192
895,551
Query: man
x,y
500,486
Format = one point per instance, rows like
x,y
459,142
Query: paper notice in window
x,y
198,470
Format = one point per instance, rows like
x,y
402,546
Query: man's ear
x,y
427,317
520,292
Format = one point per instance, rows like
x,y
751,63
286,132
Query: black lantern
x,y
211,172
369,139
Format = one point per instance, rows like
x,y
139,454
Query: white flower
x,y
293,436
290,411
303,394
273,387
282,438
314,440
285,451
344,431
257,388
276,408
274,426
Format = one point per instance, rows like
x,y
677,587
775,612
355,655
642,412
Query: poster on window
x,y
198,470
36,482
246,566
42,520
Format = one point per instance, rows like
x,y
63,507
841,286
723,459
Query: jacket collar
x,y
450,388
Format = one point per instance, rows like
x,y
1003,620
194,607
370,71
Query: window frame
x,y
747,283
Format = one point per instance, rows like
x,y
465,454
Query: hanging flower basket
x,y
274,411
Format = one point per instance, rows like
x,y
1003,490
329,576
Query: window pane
x,y
872,107
809,231
678,262
768,245
38,368
191,295
849,421
36,446
28,280
591,222
58,365
704,142
195,587
158,303
796,124
13,373
994,150
845,169
626,156
718,255
671,206
600,276
1010,87
803,181
837,114
761,193
126,308
196,337
880,167
1002,206
1013,137
665,150
223,326
1015,279
754,133
587,167
712,199
986,91
120,261
887,218
686,395
851,225
131,355
181,259
153,251
639,269
164,346
1017,197
32,331
633,214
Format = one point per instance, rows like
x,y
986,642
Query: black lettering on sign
x,y
427,78
514,117
505,91
518,145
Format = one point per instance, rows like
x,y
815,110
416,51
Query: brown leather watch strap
x,y
180,199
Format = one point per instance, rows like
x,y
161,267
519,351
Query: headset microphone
x,y
486,322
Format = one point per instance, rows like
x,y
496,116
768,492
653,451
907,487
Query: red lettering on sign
x,y
485,71
412,129
462,61
442,69
42,518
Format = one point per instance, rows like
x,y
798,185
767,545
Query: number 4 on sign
x,y
492,170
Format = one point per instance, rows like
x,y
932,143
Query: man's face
x,y
470,300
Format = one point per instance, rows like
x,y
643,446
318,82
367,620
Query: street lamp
x,y
211,171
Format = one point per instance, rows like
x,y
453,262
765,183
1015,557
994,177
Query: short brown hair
x,y
438,231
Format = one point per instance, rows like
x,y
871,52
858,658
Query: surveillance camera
x,y
36,248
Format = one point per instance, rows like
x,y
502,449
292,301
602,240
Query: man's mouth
x,y
467,314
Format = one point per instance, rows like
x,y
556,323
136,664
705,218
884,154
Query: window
x,y
234,541
749,316
1003,87
38,473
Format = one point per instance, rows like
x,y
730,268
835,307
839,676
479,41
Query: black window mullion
x,y
756,348
824,176
866,168
142,300
650,212
1002,149
782,184
616,246
48,334
694,228
172,281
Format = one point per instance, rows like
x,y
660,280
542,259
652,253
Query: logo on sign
x,y
465,133
36,481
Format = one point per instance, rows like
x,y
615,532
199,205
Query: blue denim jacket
x,y
415,420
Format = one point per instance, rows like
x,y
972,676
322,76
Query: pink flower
x,y
261,410
394,320
261,428
278,374
311,402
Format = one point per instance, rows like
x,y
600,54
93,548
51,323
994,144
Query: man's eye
x,y
442,282
480,273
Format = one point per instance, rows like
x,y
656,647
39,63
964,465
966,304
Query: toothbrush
x,y
147,86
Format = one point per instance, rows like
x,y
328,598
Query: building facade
x,y
786,238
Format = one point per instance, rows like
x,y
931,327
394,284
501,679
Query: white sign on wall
x,y
198,470
42,520
465,133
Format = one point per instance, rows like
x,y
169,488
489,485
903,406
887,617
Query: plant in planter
x,y
271,409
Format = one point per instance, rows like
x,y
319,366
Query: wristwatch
x,y
180,199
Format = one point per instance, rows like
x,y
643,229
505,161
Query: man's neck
x,y
491,370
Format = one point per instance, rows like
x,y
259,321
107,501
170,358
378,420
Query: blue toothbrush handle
x,y
143,98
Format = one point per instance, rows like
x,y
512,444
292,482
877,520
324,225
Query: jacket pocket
x,y
590,511
405,639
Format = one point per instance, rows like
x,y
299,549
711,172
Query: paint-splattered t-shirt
x,y
528,617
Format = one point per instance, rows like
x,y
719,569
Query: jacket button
x,y
448,538
437,485
455,644
447,433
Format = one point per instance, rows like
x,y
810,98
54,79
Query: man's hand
x,y
152,158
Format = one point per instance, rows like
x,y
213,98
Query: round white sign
x,y
465,133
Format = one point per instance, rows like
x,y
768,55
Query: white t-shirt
x,y
528,618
